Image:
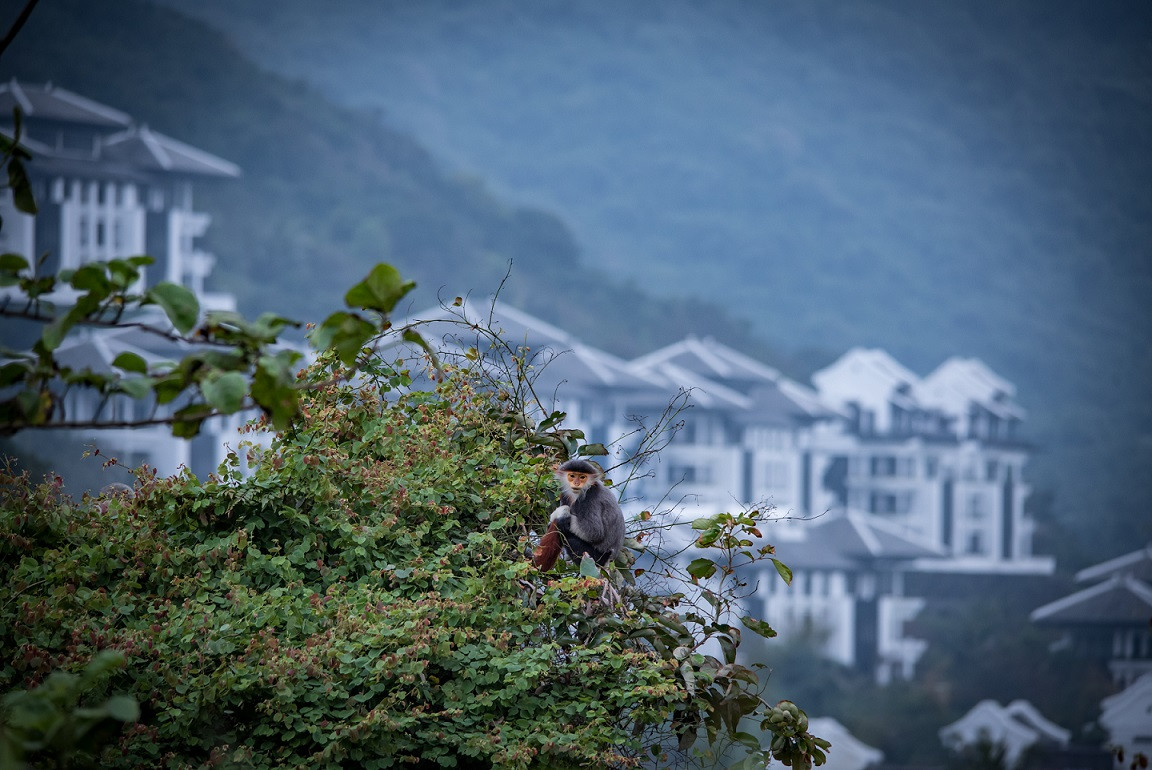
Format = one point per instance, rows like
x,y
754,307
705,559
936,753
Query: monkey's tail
x,y
547,552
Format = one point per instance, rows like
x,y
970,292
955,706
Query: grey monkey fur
x,y
589,518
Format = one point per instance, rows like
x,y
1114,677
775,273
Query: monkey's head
x,y
578,474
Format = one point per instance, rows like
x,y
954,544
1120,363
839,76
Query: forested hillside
x,y
328,190
936,179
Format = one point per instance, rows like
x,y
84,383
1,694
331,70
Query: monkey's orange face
x,y
577,480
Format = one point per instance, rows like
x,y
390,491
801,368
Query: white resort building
x,y
107,187
875,474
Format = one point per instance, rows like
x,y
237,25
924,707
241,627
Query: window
x,y
977,507
890,502
888,466
689,474
883,466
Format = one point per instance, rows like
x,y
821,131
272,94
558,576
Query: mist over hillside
x,y
939,178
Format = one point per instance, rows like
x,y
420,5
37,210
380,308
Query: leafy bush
x,y
51,727
363,599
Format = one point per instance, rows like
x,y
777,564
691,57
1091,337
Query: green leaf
x,y
178,303
345,334
12,373
269,325
188,420
551,421
13,262
123,273
21,187
380,290
55,332
588,567
123,708
592,450
225,392
170,386
782,568
136,387
130,362
758,626
91,278
415,337
273,387
702,568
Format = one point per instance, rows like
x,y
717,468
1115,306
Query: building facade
x,y
1110,619
107,187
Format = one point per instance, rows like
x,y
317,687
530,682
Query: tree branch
x,y
171,336
17,26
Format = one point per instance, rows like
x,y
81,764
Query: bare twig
x,y
17,26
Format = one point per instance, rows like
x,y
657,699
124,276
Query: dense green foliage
x,y
57,725
363,599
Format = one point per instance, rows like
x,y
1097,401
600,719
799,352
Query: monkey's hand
x,y
560,514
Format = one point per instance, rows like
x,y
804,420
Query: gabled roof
x,y
1027,714
959,382
1138,564
47,102
722,377
1129,710
705,392
849,752
710,359
148,149
848,540
1016,727
1121,599
563,357
869,375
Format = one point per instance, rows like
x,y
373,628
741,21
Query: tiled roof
x,y
958,382
47,102
710,359
561,357
850,540
1138,564
1121,599
142,147
722,377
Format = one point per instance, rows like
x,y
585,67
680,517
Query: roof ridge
x,y
1072,599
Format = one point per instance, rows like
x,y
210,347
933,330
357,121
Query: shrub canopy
x,y
362,599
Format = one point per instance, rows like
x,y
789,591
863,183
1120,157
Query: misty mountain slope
x,y
936,178
326,190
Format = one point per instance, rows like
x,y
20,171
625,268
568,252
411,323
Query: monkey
x,y
589,518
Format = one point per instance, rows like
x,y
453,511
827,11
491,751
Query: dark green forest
x,y
791,178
